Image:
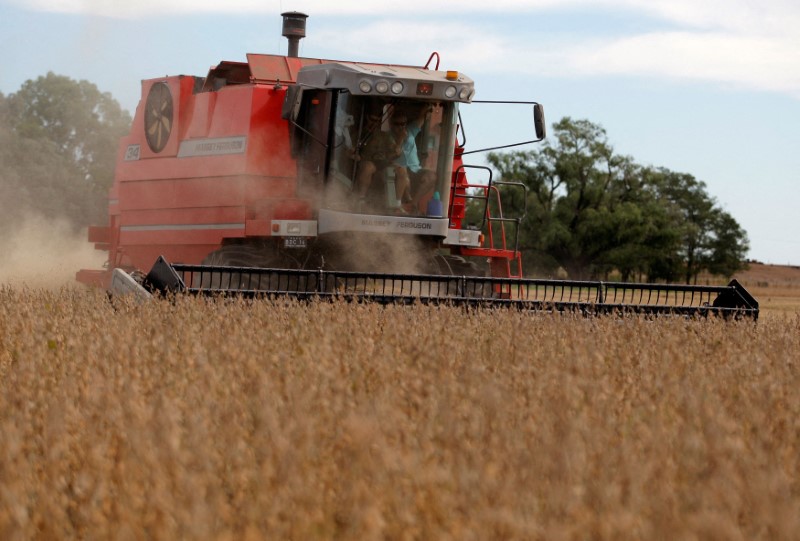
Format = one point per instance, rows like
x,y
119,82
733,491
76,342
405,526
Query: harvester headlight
x,y
397,87
382,87
464,94
365,86
450,91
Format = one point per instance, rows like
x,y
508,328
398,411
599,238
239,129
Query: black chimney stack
x,y
294,29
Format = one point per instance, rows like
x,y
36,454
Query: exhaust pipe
x,y
294,29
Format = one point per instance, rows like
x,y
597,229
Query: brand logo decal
x,y
212,147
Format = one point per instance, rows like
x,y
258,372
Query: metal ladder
x,y
501,247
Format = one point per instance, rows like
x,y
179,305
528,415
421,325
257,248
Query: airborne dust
x,y
404,254
45,253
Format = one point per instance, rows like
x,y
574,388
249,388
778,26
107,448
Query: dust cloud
x,y
404,254
45,253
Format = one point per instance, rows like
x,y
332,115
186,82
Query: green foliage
x,y
35,177
58,143
592,212
728,245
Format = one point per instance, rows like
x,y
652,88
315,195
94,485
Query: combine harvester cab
x,y
329,179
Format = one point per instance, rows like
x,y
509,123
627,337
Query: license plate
x,y
295,242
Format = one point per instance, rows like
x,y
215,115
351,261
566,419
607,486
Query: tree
x,y
535,170
586,203
592,212
84,124
728,245
36,178
711,239
59,144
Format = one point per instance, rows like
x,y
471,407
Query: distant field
x,y
776,287
199,419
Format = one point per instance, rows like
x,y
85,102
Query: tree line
x,y
58,146
594,213
590,211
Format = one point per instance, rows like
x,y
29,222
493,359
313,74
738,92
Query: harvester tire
x,y
241,256
454,265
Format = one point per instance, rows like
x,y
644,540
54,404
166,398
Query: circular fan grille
x,y
158,116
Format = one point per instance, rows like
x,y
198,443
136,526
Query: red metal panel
x,y
184,216
143,257
260,188
211,237
181,193
291,209
258,228
202,113
280,209
249,111
183,94
270,68
202,192
199,166
232,111
268,151
99,234
225,114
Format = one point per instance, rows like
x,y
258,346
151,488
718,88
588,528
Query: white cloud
x,y
460,45
756,62
742,14
146,8
753,61
752,44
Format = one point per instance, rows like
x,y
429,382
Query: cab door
x,y
311,136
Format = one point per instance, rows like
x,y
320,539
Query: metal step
x,y
588,297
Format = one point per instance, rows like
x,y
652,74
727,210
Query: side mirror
x,y
538,121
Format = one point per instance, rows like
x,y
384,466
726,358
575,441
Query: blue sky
x,y
707,87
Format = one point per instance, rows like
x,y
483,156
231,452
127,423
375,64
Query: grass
x,y
208,419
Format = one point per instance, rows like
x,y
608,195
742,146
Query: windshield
x,y
390,156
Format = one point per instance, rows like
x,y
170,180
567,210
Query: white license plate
x,y
295,242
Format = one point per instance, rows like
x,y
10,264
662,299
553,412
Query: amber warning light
x,y
424,89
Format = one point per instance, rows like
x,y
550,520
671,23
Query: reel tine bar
x,y
588,297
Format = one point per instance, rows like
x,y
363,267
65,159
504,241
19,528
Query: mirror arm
x,y
534,103
302,129
502,146
506,101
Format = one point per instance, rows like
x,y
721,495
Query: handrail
x,y
491,189
434,53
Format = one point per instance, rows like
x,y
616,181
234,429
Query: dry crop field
x,y
777,287
202,419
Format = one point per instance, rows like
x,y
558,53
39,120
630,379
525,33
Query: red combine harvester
x,y
314,178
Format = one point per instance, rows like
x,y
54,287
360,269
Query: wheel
x,y
242,255
454,265
246,256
